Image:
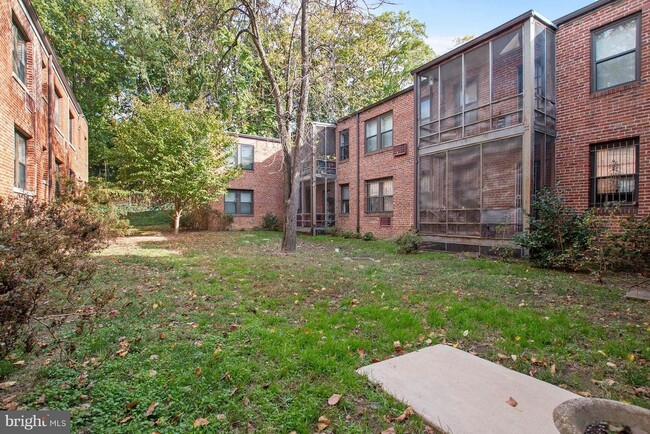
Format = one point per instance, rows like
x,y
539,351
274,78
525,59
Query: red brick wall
x,y
584,118
379,165
266,180
25,106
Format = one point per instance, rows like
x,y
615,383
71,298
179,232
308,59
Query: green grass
x,y
152,220
251,339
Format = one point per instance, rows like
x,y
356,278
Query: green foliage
x,y
557,236
408,242
196,219
220,221
560,237
349,234
271,222
177,154
369,236
45,258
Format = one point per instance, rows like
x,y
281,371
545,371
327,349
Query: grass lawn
x,y
221,326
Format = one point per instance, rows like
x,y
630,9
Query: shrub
x,y
635,243
44,265
557,235
408,242
369,236
271,222
219,221
196,219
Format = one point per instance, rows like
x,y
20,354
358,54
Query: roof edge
x,y
376,103
253,137
582,11
484,37
48,47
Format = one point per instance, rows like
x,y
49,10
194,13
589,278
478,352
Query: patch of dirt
x,y
131,246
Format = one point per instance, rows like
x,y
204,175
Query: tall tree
x,y
175,153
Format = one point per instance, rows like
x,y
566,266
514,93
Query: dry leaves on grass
x,y
402,417
124,348
334,399
201,421
150,409
7,385
323,423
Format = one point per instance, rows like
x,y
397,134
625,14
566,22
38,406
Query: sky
x,y
446,20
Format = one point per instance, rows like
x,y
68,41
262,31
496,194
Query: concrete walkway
x,y
460,393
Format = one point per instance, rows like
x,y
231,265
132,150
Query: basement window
x,y
614,173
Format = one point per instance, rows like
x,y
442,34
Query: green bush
x,y
195,220
408,242
557,235
45,265
349,234
369,236
271,222
560,237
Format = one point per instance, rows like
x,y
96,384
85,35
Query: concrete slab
x,y
460,393
639,294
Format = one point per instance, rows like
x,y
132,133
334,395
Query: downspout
x,y
50,127
416,159
358,176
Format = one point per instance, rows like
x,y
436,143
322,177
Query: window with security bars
x,y
20,161
615,53
19,52
239,202
345,199
379,195
614,173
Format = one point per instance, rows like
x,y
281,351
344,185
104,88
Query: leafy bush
x,y
219,221
560,237
45,264
557,235
369,236
349,234
333,231
271,222
196,219
408,242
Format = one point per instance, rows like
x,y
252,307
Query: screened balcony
x,y
486,131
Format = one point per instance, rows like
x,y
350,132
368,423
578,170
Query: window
x,y
345,199
57,103
344,145
379,195
19,51
242,157
239,202
70,122
20,161
615,54
614,173
379,132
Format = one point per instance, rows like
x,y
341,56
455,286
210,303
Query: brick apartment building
x,y
375,168
43,133
260,189
603,106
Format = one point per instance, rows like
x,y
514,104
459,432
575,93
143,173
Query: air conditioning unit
x,y
399,150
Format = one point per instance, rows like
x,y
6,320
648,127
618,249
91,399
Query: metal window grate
x,y
614,177
399,150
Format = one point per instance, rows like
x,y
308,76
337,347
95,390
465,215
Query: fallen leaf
x,y
428,341
585,394
234,391
7,385
221,416
334,399
150,409
174,418
126,419
642,391
153,357
397,345
19,363
153,373
611,365
390,430
466,333
132,405
161,336
198,371
517,338
226,377
502,356
201,422
41,399
361,352
630,358
513,357
405,415
512,402
323,423
553,369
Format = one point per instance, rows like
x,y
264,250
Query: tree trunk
x,y
177,220
291,206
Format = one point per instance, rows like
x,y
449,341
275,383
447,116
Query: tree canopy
x,y
177,154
